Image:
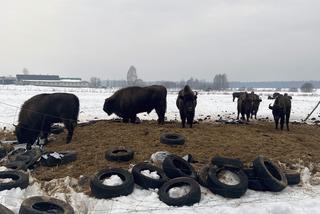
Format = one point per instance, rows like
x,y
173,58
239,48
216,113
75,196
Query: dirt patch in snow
x,y
203,141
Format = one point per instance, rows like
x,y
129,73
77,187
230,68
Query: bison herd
x,y
39,112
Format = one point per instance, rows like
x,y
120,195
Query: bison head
x,y
108,106
26,135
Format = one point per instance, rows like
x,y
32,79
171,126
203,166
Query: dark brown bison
x,y
39,112
186,103
281,109
128,102
244,105
255,105
236,95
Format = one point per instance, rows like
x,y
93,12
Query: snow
x,y
56,155
295,200
178,192
228,177
5,180
153,174
211,103
113,180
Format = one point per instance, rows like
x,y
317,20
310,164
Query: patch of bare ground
x,y
203,141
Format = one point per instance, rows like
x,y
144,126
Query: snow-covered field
x,y
304,198
214,104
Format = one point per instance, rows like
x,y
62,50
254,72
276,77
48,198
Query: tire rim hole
x,y
112,180
179,191
182,166
120,152
228,177
274,172
150,174
171,136
48,207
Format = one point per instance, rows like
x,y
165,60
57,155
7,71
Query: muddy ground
x,y
205,140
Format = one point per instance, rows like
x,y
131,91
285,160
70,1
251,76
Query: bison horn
x,y
15,125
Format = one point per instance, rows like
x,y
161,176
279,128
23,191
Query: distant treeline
x,y
206,85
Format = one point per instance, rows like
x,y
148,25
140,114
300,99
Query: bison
x,y
186,103
237,95
281,109
255,105
38,113
128,102
244,105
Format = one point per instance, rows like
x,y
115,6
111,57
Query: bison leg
x,y
287,120
125,119
70,127
183,120
276,120
281,121
133,118
160,112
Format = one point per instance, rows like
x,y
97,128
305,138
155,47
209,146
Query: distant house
x,y
7,80
50,80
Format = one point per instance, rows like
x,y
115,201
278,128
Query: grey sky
x,y
165,40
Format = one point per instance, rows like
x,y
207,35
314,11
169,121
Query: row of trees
x,y
220,82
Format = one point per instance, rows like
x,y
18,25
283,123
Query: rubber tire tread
x,y
177,140
187,200
127,156
266,177
99,190
173,171
147,182
27,206
225,190
22,182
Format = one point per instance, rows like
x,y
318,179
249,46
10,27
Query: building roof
x,y
21,77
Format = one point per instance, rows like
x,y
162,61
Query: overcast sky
x,y
249,40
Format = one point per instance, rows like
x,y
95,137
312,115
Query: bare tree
x,y
307,87
95,82
220,82
132,76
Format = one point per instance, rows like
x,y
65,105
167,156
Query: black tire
x,y
225,190
187,200
226,162
4,210
44,204
147,182
19,179
175,166
254,182
203,176
293,178
270,175
68,156
119,154
17,165
3,152
99,190
172,139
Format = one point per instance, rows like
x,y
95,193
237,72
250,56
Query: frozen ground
x,y
214,104
294,200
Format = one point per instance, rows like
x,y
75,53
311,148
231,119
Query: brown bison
x,y
186,103
39,112
236,95
128,102
255,105
281,109
244,105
